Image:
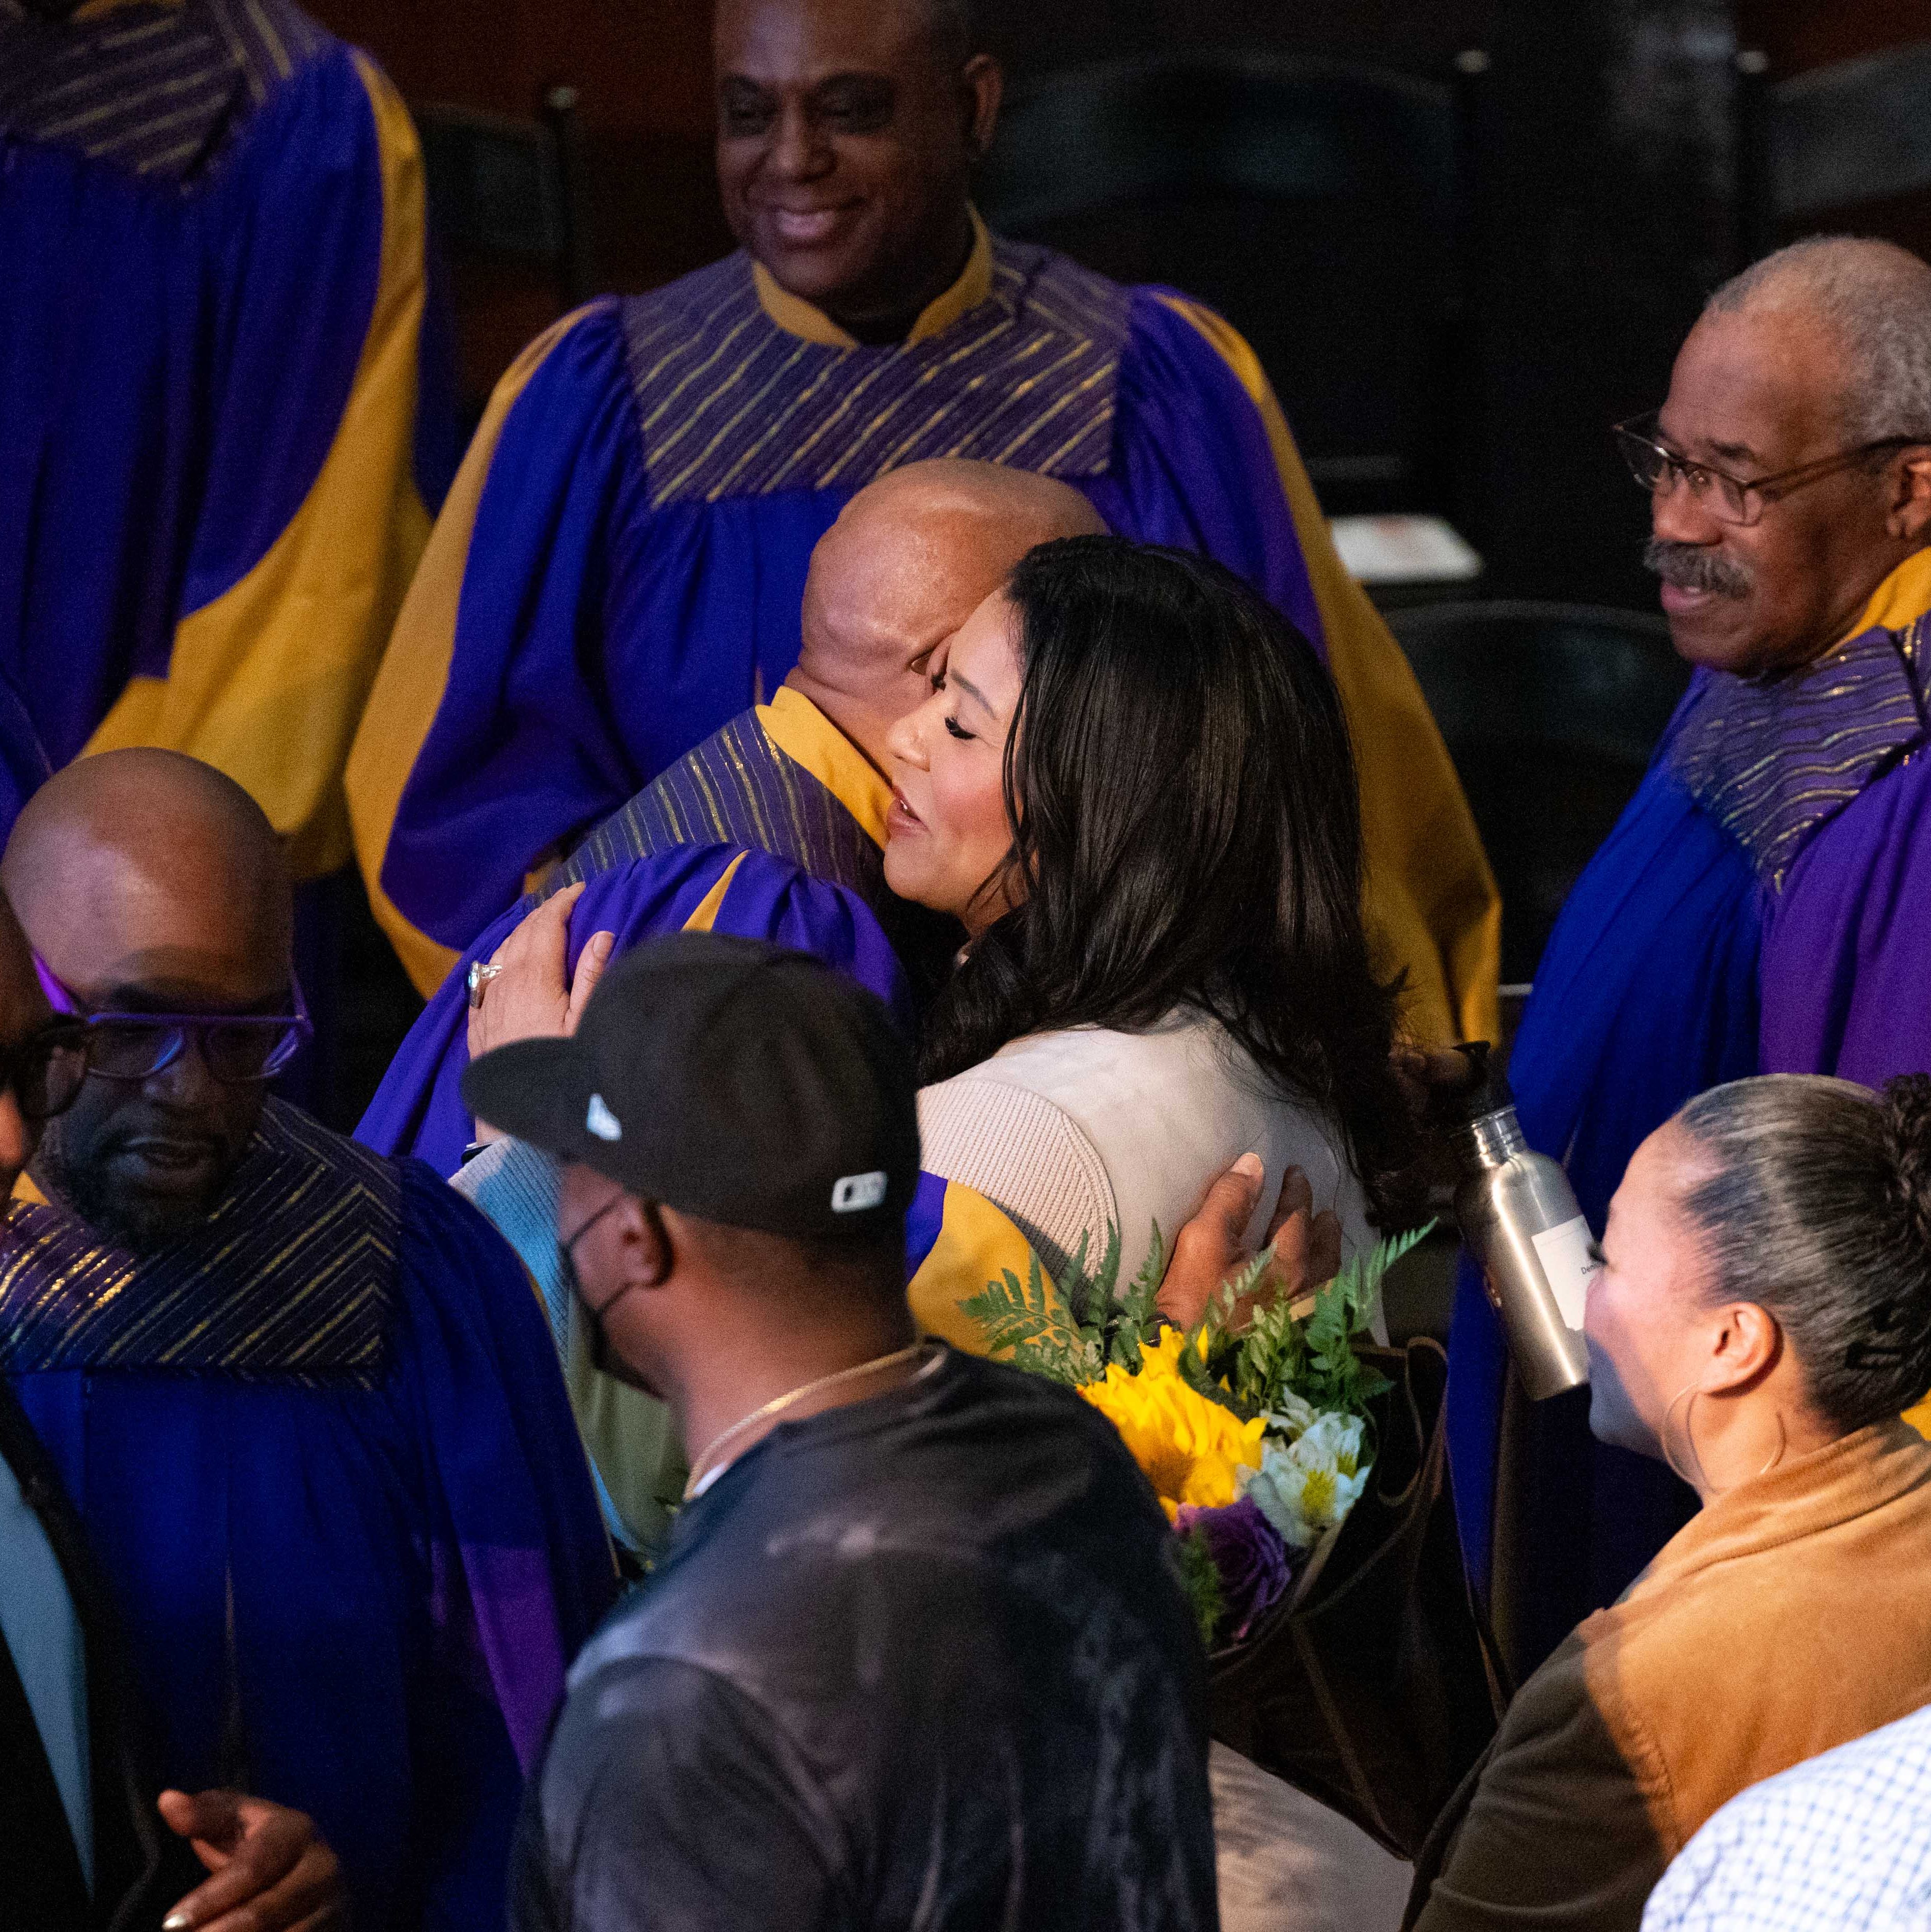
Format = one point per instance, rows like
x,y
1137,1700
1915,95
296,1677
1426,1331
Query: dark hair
x,y
1817,1206
1188,831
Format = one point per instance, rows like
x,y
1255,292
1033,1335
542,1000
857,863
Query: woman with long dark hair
x,y
1133,786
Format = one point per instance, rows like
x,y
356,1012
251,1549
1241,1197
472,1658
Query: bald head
x,y
151,884
145,868
911,557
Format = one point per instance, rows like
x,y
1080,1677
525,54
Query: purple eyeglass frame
x,y
301,1028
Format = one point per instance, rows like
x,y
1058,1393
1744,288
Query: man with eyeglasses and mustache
x,y
302,1399
1761,906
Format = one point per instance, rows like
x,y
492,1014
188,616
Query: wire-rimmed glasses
x,y
1658,469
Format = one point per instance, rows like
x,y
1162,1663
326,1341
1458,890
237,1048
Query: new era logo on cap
x,y
853,1193
599,1120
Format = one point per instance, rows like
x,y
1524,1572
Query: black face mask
x,y
604,1357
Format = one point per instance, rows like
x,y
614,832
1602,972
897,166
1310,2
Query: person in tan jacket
x,y
1762,1316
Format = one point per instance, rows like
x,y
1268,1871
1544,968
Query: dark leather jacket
x,y
918,1661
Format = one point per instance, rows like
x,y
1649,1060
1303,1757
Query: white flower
x,y
1307,1487
1293,1417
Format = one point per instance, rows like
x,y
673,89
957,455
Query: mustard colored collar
x,y
809,738
1901,599
798,317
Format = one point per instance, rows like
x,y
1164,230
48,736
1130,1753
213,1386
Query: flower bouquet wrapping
x,y
1303,1467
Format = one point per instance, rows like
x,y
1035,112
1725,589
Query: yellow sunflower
x,y
1190,1449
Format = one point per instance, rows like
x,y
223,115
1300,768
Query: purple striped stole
x,y
732,405
292,1276
1772,760
158,89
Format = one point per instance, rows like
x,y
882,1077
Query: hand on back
x,y
1213,1249
532,994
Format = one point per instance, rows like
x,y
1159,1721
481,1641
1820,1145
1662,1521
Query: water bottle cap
x,y
1486,1091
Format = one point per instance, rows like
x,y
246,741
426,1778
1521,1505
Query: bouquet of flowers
x,y
1258,1442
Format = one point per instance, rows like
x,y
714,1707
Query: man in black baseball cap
x,y
914,1653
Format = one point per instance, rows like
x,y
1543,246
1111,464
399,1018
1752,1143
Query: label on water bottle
x,y
1567,1259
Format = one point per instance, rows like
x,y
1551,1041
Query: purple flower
x,y
1247,1551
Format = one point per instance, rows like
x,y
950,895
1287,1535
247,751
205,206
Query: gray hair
x,y
1875,298
1815,1203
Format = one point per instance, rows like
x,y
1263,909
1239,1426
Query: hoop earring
x,y
1783,1444
1700,1481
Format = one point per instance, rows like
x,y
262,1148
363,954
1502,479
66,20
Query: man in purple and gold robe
x,y
1760,906
618,569
223,424
302,1398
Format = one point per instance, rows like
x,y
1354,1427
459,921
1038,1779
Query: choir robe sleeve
x,y
418,1108
957,1243
1206,460
517,1509
488,742
329,415
1846,987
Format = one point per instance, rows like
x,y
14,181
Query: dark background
x,y
1607,156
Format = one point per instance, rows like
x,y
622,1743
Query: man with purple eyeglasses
x,y
303,1398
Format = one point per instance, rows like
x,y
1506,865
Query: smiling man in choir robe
x,y
302,1398
1760,906
619,568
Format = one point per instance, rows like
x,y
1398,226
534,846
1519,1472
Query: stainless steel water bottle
x,y
1519,1219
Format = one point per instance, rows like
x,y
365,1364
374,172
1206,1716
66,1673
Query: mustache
x,y
1691,567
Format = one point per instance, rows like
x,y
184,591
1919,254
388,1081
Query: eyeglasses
x,y
44,1071
1735,499
239,1049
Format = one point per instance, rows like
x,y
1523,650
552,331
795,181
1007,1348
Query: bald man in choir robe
x,y
302,1398
618,569
225,414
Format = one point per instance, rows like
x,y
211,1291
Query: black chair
x,y
504,191
1551,712
1829,140
1314,203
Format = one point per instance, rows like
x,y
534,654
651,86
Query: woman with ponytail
x,y
1762,1316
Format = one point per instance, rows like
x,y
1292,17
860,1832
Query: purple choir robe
x,y
226,400
324,1456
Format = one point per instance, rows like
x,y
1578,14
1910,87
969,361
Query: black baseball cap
x,y
727,1078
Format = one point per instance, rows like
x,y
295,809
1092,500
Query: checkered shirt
x,y
1843,1840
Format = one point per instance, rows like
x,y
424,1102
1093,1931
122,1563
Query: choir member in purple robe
x,y
226,412
1761,906
302,1398
617,572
